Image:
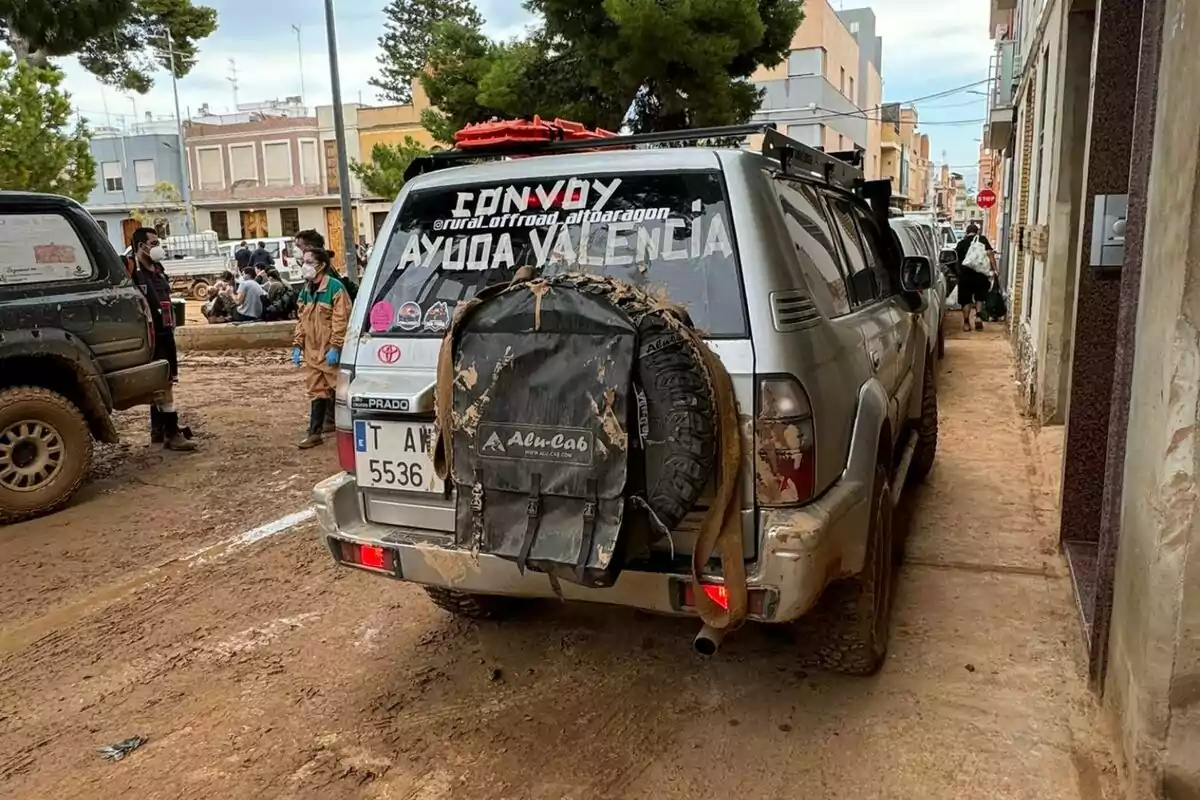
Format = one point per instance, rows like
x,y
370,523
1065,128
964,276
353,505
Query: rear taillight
x,y
344,419
785,443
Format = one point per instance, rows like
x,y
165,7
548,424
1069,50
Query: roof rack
x,y
796,157
500,139
449,158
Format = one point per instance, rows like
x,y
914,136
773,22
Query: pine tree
x,y
408,34
121,42
40,150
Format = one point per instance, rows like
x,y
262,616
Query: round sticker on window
x,y
408,318
437,317
381,316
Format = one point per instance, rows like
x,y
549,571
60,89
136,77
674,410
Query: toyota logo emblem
x,y
389,354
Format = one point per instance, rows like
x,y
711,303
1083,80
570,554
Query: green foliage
x,y
672,63
40,150
164,199
384,176
121,42
407,37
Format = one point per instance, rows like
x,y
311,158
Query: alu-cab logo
x,y
536,443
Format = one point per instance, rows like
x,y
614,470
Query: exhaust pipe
x,y
708,640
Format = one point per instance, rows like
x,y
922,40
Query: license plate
x,y
395,455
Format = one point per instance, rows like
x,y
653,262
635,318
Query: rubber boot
x,y
316,419
156,426
173,438
329,426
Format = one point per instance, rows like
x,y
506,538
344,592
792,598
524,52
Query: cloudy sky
x,y
925,51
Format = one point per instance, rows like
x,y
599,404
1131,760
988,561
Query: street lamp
x,y
339,129
300,58
185,179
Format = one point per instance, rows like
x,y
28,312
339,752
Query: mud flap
x,y
540,445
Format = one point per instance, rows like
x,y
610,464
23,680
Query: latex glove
x,y
333,357
296,353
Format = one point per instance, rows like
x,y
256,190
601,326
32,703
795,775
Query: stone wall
x,y
1153,676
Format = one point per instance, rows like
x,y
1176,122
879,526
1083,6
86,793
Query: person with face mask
x,y
320,334
149,276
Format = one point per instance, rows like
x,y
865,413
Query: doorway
x,y
128,226
254,224
335,235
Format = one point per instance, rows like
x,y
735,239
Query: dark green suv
x,y
76,343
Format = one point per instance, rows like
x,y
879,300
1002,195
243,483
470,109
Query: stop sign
x,y
986,198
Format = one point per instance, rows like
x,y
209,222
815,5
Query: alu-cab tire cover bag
x,y
541,399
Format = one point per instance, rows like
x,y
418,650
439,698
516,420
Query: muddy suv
x,y
781,260
76,342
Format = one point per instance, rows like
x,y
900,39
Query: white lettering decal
x,y
718,239
479,252
455,259
564,248
547,199
431,249
412,252
585,232
488,202
460,208
541,247
514,199
576,187
647,244
617,239
502,256
604,193
669,253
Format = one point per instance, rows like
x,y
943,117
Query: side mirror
x,y
949,257
916,274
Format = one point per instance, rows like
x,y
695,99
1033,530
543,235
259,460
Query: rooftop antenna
x,y
233,79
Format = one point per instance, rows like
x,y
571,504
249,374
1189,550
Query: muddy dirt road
x,y
155,605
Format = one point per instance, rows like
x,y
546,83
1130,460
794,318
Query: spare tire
x,y
677,420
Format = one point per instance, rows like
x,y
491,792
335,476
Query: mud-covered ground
x,y
258,670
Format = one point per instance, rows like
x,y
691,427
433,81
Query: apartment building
x,y
904,157
367,127
828,91
138,179
258,179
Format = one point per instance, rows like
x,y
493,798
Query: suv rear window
x,y
665,232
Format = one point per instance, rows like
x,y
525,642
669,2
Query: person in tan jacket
x,y
320,334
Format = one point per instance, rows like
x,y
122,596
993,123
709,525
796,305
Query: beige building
x,y
257,179
904,157
828,91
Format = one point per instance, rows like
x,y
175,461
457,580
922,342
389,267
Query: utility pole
x,y
185,179
339,128
300,58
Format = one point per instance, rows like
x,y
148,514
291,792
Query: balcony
x,y
1004,73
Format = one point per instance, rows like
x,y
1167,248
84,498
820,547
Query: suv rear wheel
x,y
852,621
927,427
45,449
472,606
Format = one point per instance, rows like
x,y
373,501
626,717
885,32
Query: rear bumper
x,y
801,550
137,385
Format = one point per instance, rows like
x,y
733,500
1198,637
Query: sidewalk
x,y
983,694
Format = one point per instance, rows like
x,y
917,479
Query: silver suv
x,y
805,295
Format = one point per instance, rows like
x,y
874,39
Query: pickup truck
x,y
76,343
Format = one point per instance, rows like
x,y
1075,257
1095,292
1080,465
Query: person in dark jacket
x,y
149,276
242,256
260,257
